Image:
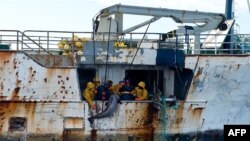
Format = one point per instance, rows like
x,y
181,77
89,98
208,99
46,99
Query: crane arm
x,y
210,20
179,16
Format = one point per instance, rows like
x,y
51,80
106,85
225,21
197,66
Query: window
x,y
17,124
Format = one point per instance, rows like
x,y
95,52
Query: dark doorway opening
x,y
183,79
152,78
85,75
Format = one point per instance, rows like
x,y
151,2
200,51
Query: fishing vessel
x,y
196,78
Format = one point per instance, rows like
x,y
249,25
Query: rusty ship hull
x,y
44,103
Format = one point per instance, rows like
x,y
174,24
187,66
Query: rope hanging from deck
x,y
137,51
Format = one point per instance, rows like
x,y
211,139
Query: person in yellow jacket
x,y
116,89
89,94
140,92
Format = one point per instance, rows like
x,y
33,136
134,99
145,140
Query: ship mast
x,y
229,15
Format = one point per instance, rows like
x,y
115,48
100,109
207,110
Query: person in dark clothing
x,y
104,91
125,91
128,87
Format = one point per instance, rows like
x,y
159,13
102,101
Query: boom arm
x,y
210,20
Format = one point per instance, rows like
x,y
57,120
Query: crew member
x,y
125,91
117,88
140,92
104,91
127,86
89,94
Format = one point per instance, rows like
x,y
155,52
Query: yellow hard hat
x,y
90,85
141,84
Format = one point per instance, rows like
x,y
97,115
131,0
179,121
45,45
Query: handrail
x,y
52,38
36,44
29,39
19,34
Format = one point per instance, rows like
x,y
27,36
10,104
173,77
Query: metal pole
x,y
215,49
248,3
22,43
229,15
39,42
17,40
47,40
130,41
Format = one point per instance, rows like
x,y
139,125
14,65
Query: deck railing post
x,y
47,40
17,40
215,49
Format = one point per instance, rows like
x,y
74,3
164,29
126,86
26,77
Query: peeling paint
x,y
31,81
49,99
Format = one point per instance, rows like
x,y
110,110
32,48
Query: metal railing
x,y
17,40
47,41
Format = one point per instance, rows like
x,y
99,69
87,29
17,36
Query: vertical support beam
x,y
197,44
229,15
248,3
17,40
229,9
119,20
22,43
47,40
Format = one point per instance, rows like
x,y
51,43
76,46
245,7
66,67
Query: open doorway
x,y
152,78
85,75
183,79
